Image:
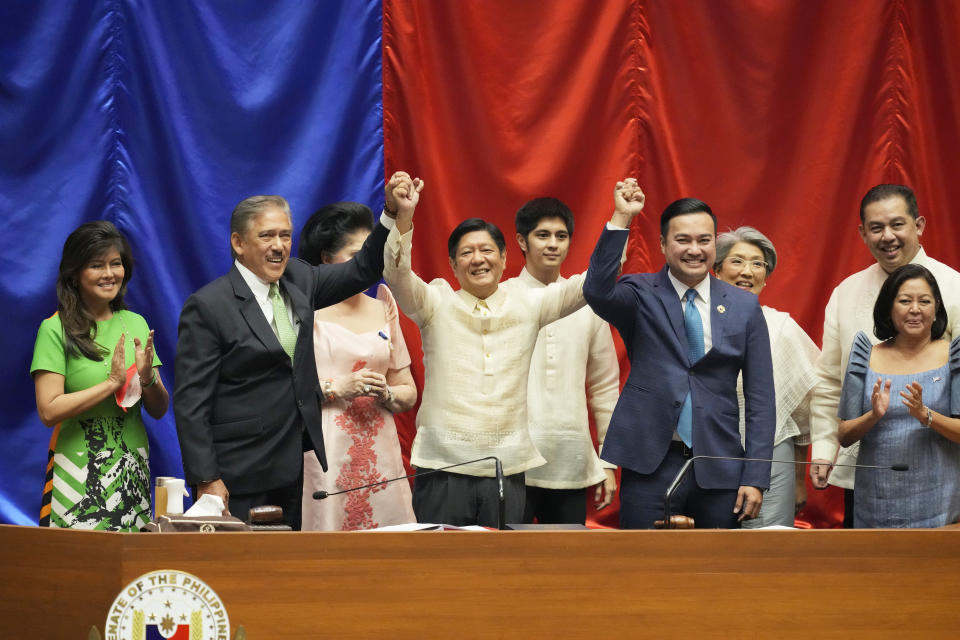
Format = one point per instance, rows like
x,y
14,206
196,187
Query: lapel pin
x,y
721,308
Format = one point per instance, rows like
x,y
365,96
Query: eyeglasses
x,y
755,265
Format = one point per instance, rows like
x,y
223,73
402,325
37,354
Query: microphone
x,y
668,523
498,470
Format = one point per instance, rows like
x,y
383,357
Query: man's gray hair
x,y
725,242
251,207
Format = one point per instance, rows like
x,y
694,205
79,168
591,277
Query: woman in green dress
x,y
93,368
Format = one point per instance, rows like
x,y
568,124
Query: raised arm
x,y
600,289
411,293
333,283
628,201
560,299
401,196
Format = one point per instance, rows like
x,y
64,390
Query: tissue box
x,y
195,524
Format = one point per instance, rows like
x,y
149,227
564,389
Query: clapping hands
x,y
144,359
880,398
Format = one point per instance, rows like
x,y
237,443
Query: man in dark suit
x,y
688,336
247,397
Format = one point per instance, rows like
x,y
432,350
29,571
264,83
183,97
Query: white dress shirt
x,y
261,291
476,360
573,363
850,310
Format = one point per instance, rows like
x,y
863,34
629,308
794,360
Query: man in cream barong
x,y
891,227
477,342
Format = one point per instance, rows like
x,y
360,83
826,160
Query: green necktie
x,y
288,337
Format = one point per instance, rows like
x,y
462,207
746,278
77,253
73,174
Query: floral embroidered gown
x,y
359,435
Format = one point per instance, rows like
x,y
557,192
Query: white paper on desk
x,y
207,505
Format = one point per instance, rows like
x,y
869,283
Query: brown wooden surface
x,y
525,584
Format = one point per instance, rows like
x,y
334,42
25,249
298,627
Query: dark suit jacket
x,y
240,405
647,312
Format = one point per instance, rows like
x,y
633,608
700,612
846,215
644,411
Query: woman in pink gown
x,y
364,372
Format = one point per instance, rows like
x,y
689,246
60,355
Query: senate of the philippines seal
x,y
167,604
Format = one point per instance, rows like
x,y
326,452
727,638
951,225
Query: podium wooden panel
x,y
522,584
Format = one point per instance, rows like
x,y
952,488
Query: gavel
x,y
267,517
676,522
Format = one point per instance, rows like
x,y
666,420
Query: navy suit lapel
x,y
253,315
718,318
671,306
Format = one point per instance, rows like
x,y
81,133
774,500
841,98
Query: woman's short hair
x,y
882,317
326,231
87,242
725,242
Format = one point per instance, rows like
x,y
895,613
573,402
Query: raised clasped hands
x,y
628,201
402,194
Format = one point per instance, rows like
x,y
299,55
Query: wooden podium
x,y
510,584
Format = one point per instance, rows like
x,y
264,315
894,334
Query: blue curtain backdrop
x,y
160,117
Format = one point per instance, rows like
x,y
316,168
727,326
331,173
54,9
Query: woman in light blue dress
x,y
912,363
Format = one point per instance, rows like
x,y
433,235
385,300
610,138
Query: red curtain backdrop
x,y
780,114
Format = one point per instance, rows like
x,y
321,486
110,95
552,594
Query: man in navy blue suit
x,y
689,336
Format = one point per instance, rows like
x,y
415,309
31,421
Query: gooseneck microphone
x,y
498,470
668,496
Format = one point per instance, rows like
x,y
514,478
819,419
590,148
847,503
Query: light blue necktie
x,y
694,329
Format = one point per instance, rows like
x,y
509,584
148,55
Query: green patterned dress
x,y
98,474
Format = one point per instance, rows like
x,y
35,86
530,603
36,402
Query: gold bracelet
x,y
929,416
